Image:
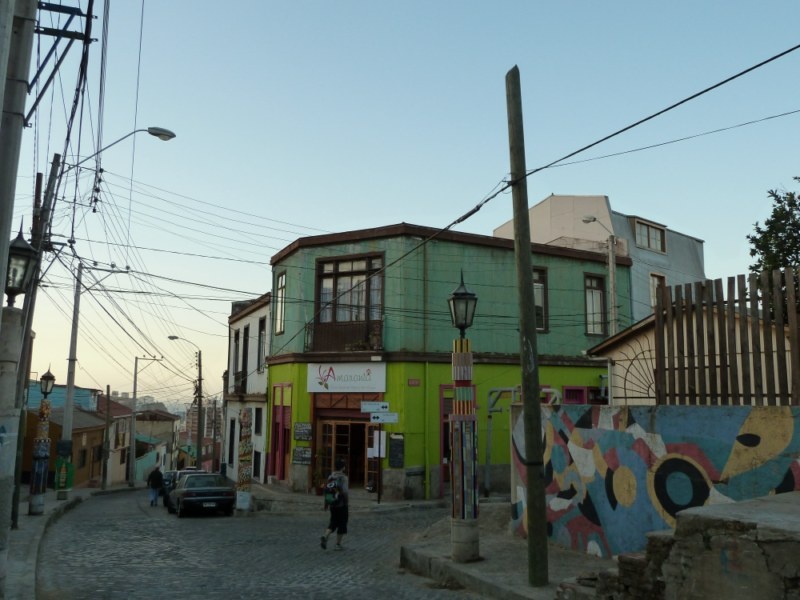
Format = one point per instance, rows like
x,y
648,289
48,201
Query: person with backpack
x,y
336,496
155,481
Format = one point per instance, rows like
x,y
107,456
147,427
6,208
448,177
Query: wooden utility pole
x,y
537,516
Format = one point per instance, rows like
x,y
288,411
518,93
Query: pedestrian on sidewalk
x,y
155,481
336,501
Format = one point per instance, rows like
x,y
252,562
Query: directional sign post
x,y
373,407
383,417
378,413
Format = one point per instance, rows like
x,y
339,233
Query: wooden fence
x,y
734,348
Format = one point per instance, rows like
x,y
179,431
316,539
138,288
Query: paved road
x,y
116,546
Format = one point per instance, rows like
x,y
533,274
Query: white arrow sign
x,y
374,407
383,417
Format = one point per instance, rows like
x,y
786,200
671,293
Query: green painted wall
x,y
416,317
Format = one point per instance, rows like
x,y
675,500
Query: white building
x,y
245,398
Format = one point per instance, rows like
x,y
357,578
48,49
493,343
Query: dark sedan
x,y
171,480
203,492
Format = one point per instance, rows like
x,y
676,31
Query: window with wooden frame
x,y
262,344
540,298
656,281
594,287
279,303
350,290
651,236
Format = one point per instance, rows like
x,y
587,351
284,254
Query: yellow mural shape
x,y
624,483
765,433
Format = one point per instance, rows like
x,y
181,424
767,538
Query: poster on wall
x,y
244,474
346,377
302,431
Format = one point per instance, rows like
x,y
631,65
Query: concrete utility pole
x,y
612,282
200,422
107,439
537,515
64,447
15,53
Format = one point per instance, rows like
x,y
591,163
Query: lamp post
x,y
611,244
64,447
21,259
463,433
41,448
199,398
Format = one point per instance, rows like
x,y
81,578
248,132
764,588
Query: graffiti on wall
x,y
612,474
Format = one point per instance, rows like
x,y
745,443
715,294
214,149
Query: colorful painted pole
x,y
464,458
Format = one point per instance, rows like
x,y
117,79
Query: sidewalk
x,y
23,542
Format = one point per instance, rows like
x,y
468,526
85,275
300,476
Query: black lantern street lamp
x,y
21,261
462,307
41,448
46,383
463,434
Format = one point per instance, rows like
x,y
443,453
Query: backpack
x,y
332,492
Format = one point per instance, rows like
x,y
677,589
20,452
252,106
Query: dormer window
x,y
651,236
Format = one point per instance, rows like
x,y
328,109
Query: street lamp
x,y
612,272
462,304
159,132
21,260
41,448
199,398
64,447
463,434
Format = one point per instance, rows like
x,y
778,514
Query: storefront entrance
x,y
349,440
343,431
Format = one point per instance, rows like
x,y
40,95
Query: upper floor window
x,y
656,281
540,298
262,343
350,290
595,305
236,346
651,236
280,303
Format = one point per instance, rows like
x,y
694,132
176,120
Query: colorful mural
x,y
612,474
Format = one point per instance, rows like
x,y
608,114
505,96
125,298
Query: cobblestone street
x,y
117,546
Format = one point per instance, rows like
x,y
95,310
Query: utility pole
x,y
214,433
537,515
64,446
612,281
107,439
200,423
132,447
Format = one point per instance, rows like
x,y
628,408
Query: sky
x,y
301,117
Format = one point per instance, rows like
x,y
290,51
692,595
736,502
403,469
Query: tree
x,y
777,244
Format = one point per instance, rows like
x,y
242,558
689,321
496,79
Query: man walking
x,y
155,482
336,501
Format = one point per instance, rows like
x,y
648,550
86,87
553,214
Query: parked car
x,y
202,492
171,480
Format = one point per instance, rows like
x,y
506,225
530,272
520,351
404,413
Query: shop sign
x,y
346,377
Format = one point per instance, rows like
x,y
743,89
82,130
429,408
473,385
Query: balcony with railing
x,y
356,336
240,382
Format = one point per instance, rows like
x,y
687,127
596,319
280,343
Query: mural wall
x,y
614,473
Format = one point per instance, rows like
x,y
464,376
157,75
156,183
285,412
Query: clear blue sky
x,y
296,118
